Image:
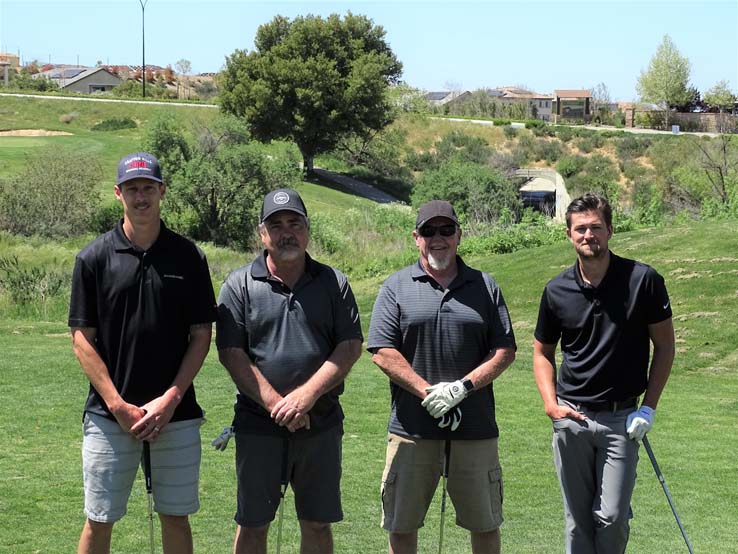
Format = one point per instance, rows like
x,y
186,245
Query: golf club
x,y
655,465
284,481
446,463
149,491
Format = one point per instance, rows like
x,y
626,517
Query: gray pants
x,y
596,464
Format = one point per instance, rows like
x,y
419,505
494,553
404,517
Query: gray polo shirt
x,y
287,333
444,334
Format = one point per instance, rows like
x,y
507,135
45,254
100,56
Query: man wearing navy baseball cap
x,y
288,332
141,314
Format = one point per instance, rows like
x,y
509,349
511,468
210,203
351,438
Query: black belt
x,y
605,405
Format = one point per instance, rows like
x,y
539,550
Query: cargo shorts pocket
x,y
388,496
496,490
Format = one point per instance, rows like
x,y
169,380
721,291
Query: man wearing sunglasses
x,y
441,332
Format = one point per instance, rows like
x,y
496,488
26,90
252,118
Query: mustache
x,y
289,241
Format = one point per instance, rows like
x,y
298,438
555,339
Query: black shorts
x,y
313,470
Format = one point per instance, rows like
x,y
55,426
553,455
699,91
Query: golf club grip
x,y
147,465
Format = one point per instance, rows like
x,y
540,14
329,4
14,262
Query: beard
x,y
439,263
287,251
591,251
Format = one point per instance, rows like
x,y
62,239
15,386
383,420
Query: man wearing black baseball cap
x,y
288,332
441,332
141,314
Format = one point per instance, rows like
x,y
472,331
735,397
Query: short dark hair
x,y
589,203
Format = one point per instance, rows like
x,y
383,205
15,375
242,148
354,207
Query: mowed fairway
x,y
43,391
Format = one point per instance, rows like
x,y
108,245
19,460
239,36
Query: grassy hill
x,y
43,388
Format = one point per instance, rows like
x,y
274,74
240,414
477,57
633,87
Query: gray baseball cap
x,y
282,199
139,165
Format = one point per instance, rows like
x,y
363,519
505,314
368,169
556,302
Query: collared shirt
x,y
603,330
287,333
142,304
443,334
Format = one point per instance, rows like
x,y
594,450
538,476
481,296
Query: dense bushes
x,y
114,124
54,196
479,193
216,179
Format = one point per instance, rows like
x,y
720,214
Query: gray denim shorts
x,y
110,461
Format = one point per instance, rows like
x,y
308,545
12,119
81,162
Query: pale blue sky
x,y
545,45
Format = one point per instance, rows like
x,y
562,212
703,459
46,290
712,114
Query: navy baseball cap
x,y
435,208
282,199
139,165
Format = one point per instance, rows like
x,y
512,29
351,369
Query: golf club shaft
x,y
660,477
446,463
284,480
149,491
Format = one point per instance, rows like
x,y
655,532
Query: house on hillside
x,y
572,104
539,104
81,79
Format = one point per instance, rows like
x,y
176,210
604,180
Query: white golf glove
x,y
443,396
452,419
639,423
221,441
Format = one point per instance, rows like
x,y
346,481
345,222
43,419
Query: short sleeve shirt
x,y
444,334
603,330
287,333
142,304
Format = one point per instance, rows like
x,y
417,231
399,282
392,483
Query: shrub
x,y
479,193
569,166
549,150
114,124
564,133
30,285
215,191
54,196
599,175
632,146
68,117
510,132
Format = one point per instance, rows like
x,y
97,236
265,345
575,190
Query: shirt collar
x,y
123,244
611,268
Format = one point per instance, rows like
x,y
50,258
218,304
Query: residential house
x,y
442,98
81,79
540,104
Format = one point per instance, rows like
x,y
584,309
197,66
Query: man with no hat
x,y
441,332
288,333
606,311
141,313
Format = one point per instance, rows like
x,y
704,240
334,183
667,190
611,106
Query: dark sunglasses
x,y
429,231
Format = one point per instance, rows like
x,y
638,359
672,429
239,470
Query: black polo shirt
x,y
603,330
444,334
287,333
142,304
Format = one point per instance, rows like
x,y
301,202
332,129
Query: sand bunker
x,y
32,133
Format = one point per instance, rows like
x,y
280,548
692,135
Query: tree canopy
x,y
666,81
720,96
313,81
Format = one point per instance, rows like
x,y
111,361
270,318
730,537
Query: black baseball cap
x,y
282,199
139,165
435,208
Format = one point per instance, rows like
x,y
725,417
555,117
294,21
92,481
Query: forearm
x,y
492,367
333,371
400,372
544,372
247,377
658,376
94,367
662,337
192,361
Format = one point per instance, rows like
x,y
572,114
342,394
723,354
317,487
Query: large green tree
x,y
666,81
720,96
313,81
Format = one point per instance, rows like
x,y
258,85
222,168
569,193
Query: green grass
x,y
694,437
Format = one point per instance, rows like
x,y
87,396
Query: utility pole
x,y
143,45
